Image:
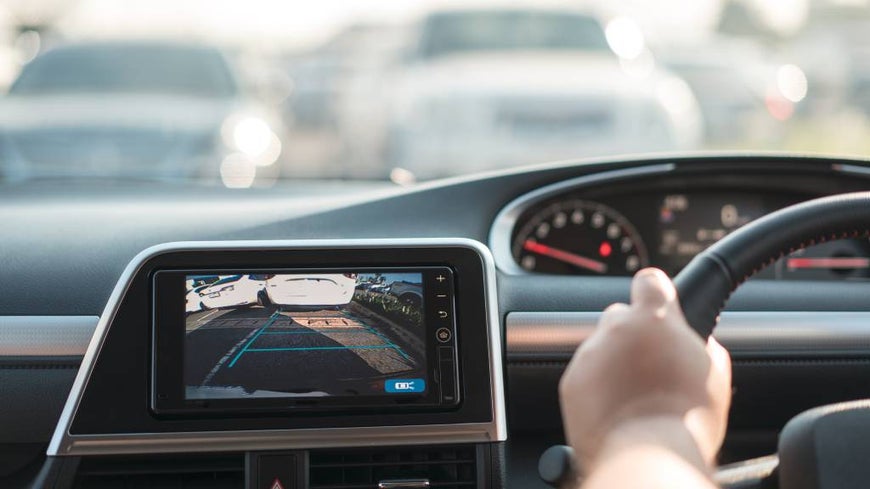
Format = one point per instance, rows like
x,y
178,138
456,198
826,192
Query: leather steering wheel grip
x,y
705,284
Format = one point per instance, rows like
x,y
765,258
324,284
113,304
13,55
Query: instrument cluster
x,y
617,234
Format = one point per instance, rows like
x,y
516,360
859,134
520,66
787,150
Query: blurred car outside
x,y
735,83
484,89
136,109
833,48
319,74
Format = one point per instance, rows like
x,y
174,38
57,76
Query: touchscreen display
x,y
304,335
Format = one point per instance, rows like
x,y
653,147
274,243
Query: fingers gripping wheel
x,y
710,278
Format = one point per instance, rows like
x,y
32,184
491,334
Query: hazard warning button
x,y
275,471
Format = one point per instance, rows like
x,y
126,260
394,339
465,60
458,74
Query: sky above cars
x,y
284,23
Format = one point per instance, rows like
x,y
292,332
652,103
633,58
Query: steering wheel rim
x,y
707,282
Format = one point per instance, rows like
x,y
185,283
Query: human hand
x,y
644,376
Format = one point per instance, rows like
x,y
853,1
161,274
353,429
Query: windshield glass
x,y
130,68
257,93
458,32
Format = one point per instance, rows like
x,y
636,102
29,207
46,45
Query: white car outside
x,y
332,289
227,291
470,105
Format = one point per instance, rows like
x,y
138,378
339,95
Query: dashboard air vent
x,y
447,467
169,472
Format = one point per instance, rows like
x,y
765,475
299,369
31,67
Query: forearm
x,y
650,453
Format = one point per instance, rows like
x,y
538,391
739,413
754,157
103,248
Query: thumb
x,y
651,288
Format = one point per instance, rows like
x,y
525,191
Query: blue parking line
x,y
384,338
388,342
268,323
401,352
333,330
311,348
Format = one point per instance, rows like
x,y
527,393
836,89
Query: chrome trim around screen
x,y
221,441
555,335
63,443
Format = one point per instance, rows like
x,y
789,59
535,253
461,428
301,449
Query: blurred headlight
x,y
675,95
791,82
252,137
237,171
625,38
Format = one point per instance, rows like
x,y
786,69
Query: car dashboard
x,y
564,240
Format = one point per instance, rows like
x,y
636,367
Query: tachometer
x,y
578,237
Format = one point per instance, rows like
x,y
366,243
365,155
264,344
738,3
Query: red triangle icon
x,y
276,484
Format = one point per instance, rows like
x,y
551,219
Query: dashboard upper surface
x,y
104,227
70,241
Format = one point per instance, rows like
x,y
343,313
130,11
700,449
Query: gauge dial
x,y
578,237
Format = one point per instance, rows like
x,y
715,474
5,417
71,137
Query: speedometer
x,y
578,237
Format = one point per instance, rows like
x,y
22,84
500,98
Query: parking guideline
x,y
268,323
314,348
349,329
388,344
385,339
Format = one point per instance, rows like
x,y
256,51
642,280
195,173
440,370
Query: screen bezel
x,y
168,333
109,414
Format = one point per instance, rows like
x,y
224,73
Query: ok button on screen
x,y
398,386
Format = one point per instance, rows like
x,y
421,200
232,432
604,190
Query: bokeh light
x,y
237,171
625,37
792,82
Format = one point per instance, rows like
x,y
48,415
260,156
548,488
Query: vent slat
x,y
389,464
446,467
370,486
449,467
162,472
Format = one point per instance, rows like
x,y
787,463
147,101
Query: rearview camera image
x,y
304,335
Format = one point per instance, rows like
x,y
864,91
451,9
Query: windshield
x,y
459,32
263,92
126,68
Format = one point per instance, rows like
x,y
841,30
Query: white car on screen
x,y
308,290
227,291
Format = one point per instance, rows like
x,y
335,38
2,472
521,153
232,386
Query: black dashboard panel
x,y
113,398
122,219
80,235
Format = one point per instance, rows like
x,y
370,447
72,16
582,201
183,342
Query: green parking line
x,y
311,348
336,330
268,323
388,342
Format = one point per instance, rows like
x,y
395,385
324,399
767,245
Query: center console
x,y
282,352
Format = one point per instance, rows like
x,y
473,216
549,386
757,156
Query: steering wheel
x,y
814,445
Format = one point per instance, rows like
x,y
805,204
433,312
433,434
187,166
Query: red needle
x,y
565,256
833,262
